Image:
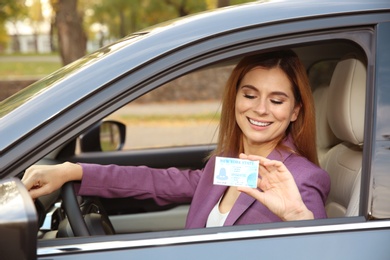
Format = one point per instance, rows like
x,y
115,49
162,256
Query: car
x,y
72,115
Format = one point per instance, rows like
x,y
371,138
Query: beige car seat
x,y
325,137
345,107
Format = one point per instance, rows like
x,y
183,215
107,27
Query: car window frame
x,y
363,37
296,41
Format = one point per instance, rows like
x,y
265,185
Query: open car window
x,y
185,112
182,112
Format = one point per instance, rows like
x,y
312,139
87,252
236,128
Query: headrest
x,y
325,137
346,99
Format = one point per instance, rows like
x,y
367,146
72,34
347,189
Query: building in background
x,y
24,39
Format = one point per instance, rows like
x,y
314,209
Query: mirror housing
x,y
104,136
18,221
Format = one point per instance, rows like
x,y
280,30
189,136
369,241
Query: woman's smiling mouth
x,y
257,123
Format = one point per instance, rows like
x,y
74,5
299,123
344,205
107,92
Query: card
x,y
236,172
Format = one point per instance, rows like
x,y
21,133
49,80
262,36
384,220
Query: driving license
x,y
236,172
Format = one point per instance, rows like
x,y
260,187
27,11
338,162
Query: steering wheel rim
x,y
72,210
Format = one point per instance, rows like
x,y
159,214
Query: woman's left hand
x,y
278,190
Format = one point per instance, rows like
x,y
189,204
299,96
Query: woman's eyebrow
x,y
250,87
273,93
279,93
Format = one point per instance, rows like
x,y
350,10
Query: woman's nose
x,y
261,107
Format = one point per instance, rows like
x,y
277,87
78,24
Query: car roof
x,y
27,110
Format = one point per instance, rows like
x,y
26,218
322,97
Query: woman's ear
x,y
295,112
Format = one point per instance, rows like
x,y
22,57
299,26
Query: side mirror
x,y
18,221
104,136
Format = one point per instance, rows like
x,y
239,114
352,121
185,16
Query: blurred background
x,y
38,37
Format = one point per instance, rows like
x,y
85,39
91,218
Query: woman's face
x,y
265,106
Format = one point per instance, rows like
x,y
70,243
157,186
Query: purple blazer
x,y
196,186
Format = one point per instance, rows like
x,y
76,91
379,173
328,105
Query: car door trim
x,y
217,236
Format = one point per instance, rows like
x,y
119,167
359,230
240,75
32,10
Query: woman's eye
x,y
277,102
249,96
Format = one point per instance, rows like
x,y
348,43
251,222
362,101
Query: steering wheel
x,y
91,223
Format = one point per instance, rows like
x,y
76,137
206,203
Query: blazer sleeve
x,y
165,186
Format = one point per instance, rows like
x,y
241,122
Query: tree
x,y
117,18
3,38
184,7
223,3
36,17
120,16
72,39
123,17
11,11
211,4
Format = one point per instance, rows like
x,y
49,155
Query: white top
x,y
216,218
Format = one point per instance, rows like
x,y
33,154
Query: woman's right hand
x,y
44,179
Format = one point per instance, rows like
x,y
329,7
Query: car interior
x,y
337,72
341,148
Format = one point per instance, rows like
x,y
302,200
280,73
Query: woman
x,y
267,115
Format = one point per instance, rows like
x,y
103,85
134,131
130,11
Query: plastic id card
x,y
236,172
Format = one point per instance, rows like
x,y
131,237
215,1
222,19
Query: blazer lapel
x,y
244,202
206,197
201,208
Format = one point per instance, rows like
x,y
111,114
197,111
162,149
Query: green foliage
x,y
35,11
12,9
3,38
122,17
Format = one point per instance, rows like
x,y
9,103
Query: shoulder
x,y
297,161
307,173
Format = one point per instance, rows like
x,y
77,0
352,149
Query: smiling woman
x,y
265,110
251,94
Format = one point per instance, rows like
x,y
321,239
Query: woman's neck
x,y
263,149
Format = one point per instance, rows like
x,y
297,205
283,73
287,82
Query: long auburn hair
x,y
302,130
